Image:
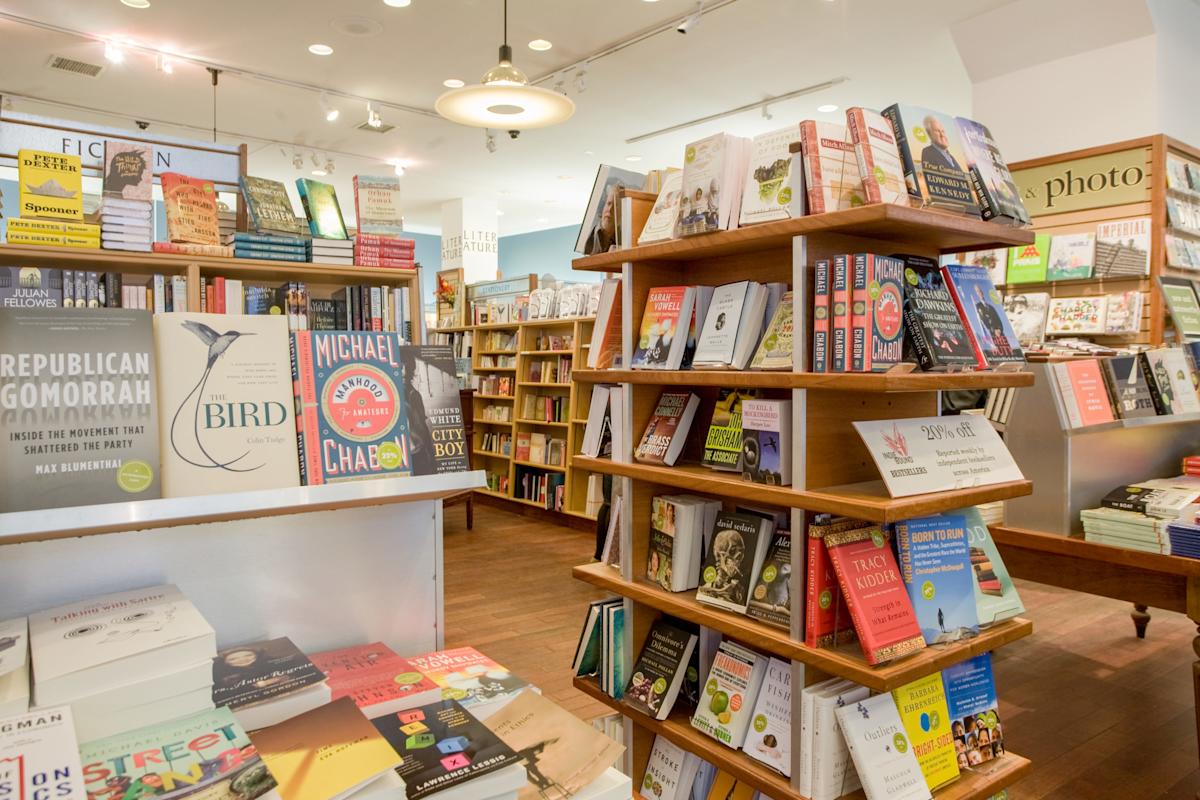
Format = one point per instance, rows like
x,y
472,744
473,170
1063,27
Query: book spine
x,y
68,280
1160,406
93,290
860,323
861,139
376,309
840,288
820,353
920,346
861,625
309,422
892,115
269,256
987,202
813,179
80,289
812,600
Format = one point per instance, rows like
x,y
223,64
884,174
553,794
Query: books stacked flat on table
x,y
1130,529
265,683
39,751
226,221
123,661
127,207
1183,538
477,682
373,250
378,680
269,246
336,252
14,666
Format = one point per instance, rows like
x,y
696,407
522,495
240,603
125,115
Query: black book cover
x,y
434,408
322,314
771,600
935,337
254,673
729,562
1127,498
1127,386
659,667
1162,405
113,296
441,746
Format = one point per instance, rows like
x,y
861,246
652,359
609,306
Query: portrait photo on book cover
x,y
603,235
978,738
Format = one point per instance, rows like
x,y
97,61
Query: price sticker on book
x,y
934,454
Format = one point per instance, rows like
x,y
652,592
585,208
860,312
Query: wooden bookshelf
x,y
858,382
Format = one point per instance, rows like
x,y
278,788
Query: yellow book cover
x,y
325,752
727,787
81,229
84,242
926,719
51,185
41,239
16,224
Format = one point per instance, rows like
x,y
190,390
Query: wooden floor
x,y
1102,714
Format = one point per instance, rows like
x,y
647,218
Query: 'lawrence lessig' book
x,y
39,757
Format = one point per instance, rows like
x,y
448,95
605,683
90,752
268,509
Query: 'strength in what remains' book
x,y
936,336
935,162
51,186
39,756
53,364
270,208
191,208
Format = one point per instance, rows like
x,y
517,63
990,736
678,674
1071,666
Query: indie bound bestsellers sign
x,y
935,454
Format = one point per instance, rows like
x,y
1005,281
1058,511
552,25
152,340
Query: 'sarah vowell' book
x,y
322,209
78,412
51,185
227,420
191,208
39,756
270,208
935,564
658,674
935,333
935,162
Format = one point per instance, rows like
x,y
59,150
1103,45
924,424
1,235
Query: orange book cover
x,y
610,346
191,206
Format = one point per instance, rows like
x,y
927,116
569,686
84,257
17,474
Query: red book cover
x,y
219,294
191,208
826,617
1091,396
879,605
860,321
878,338
522,451
662,323
820,351
377,679
663,427
840,303
814,180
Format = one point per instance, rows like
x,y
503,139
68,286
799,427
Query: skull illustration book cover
x,y
733,561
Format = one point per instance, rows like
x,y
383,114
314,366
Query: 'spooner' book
x,y
128,171
882,751
662,337
935,565
442,746
997,192
922,706
202,755
771,599
996,597
227,421
767,441
1128,387
377,205
734,557
266,682
769,738
982,311
659,671
775,350
322,209
935,161
935,333
327,753
877,319
831,168
723,443
878,158
875,594
39,756
51,186
54,365
191,209
376,678
87,647
974,709
668,428
770,186
470,678
270,208
729,694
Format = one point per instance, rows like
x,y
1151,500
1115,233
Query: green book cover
x,y
1181,302
1028,263
322,209
269,207
996,597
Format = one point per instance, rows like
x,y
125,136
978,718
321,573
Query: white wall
x,y
1177,23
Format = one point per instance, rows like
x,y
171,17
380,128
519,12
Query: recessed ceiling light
x,y
633,158
113,52
320,173
499,213
453,83
543,219
320,49
588,153
397,3
136,3
566,177
827,108
540,44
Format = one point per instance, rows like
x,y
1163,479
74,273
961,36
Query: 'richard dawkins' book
x,y
936,336
225,390
78,413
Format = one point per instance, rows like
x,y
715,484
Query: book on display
x,y
879,161
935,162
377,679
922,707
730,692
831,168
39,756
770,187
659,671
882,751
264,683
711,193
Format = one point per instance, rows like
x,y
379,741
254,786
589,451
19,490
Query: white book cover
x,y
882,752
664,772
1124,313
1072,256
769,739
86,647
770,186
1122,248
833,770
831,171
718,336
1027,311
39,757
750,326
1170,366
729,694
808,697
1076,315
877,156
710,191
660,225
767,441
93,725
14,644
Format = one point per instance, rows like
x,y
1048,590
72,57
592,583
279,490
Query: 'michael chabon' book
x,y
78,416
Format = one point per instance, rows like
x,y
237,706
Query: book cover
x,y
723,443
664,778
598,231
1122,248
1127,384
451,298
727,787
730,692
39,756
875,594
270,210
661,326
828,770
721,324
729,572
128,171
775,350
877,340
935,332
935,565
437,440
1076,315
325,753
831,175
374,677
769,738
666,565
926,719
203,755
767,441
101,358
441,745
767,195
996,597
191,209
322,209
659,670
469,677
1170,381
1029,263
51,186
669,420
1071,256
31,287
1086,391
935,162
839,282
822,316
1028,313
974,711
1180,297
660,225
377,205
982,311
879,161
997,192
259,671
881,749
227,421
826,617
1123,317
771,599
707,195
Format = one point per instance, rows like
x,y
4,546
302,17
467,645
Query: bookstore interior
x,y
490,490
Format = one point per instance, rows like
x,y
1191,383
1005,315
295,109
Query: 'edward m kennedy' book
x,y
935,565
53,365
935,162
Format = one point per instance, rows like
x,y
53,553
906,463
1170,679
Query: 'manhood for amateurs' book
x,y
78,413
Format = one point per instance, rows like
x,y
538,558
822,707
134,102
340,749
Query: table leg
x,y
1141,618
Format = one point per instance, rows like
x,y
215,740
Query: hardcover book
x,y
470,678
822,316
1169,378
828,771
839,282
730,570
771,599
882,751
1128,387
878,158
727,787
922,706
668,428
250,674
191,209
441,746
31,287
14,666
826,617
1029,263
831,175
598,231
877,329
723,443
101,358
979,304
225,391
769,738
660,225
663,332
377,205
870,580
1122,248
203,755
935,333
1027,313
770,186
775,350
377,679
1180,297
39,756
1123,317
1076,315
1083,391
730,692
128,171
322,209
997,193
1071,256
436,435
994,261
51,186
659,671
935,163
270,208
935,565
710,197
996,597
974,710
767,441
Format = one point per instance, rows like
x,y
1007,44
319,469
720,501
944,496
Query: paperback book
x,y
1027,313
974,711
771,599
51,186
1170,381
1071,256
733,559
191,209
935,565
1083,392
659,671
723,443
926,719
769,738
598,231
730,693
470,678
775,350
767,441
979,304
660,225
882,750
267,682
33,287
826,768
1029,263
377,679
1128,387
39,756
996,597
670,772
711,194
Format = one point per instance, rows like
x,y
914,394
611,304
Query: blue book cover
x,y
974,711
300,240
615,636
935,565
268,255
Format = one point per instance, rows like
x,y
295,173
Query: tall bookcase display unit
x,y
494,367
581,401
832,471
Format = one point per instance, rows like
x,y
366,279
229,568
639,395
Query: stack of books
x,y
373,250
338,252
268,247
226,221
123,661
1184,538
127,207
380,224
266,683
1129,529
51,203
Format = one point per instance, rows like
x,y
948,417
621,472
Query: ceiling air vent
x,y
384,128
74,66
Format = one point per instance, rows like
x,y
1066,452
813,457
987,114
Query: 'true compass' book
x,y
191,208
39,756
322,209
270,208
935,564
935,162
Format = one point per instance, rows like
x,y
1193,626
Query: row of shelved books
x,y
1182,252
495,442
459,342
358,308
549,370
1116,249
540,448
1156,515
565,302
546,342
46,287
494,413
544,408
357,722
1158,382
1036,315
493,384
497,362
196,393
498,342
547,489
496,481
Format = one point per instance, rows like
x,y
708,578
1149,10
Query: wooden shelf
x,y
496,352
493,493
927,229
579,422
867,501
1074,547
546,352
489,454
491,421
496,326
580,514
845,661
493,369
534,464
849,381
542,422
544,323
494,396
533,503
61,523
544,385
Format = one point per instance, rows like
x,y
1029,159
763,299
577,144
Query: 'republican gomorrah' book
x,y
935,335
877,330
191,208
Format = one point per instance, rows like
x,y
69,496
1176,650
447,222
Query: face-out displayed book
x,y
1122,248
935,333
1170,380
1076,315
1028,263
771,598
711,194
101,358
191,209
659,671
883,753
996,597
668,428
935,565
878,157
730,693
935,162
219,761
679,526
265,683
660,225
767,441
826,618
1179,295
51,185
771,190
670,772
995,190
723,442
922,707
769,738
831,167
1083,392
877,309
732,326
662,337
128,173
1127,386
14,666
982,311
39,755
270,208
32,287
598,231
470,678
321,208
974,711
377,679
826,769
775,350
451,295
1071,256
605,349
377,205
731,563
1028,312
1123,315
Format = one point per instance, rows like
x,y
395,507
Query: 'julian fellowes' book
x,y
51,185
225,390
191,208
101,359
936,336
31,287
322,209
270,208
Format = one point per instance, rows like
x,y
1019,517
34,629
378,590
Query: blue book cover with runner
x,y
935,565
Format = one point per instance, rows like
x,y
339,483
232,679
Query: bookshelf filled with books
x,y
831,471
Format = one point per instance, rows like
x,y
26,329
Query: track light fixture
x,y
693,20
581,80
489,141
373,118
297,160
329,165
331,113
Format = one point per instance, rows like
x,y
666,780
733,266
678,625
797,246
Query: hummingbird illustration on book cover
x,y
218,344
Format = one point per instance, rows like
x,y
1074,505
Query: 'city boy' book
x,y
935,162
437,440
270,208
935,333
935,565
322,209
982,310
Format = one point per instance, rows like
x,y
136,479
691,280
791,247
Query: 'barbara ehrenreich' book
x,y
935,565
78,412
225,391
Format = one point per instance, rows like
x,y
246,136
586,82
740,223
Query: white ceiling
x,y
740,53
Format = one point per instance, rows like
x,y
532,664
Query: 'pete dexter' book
x,y
51,185
935,566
